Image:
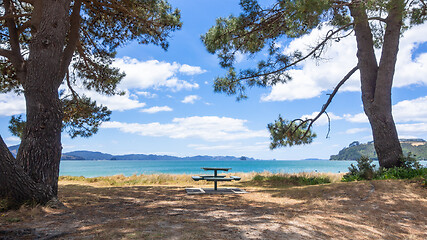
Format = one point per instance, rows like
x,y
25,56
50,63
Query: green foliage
x,y
364,170
104,25
286,180
410,169
288,133
82,117
16,126
355,152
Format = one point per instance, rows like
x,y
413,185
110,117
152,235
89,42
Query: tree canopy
x,y
96,29
259,29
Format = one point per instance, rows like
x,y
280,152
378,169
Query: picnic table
x,y
215,177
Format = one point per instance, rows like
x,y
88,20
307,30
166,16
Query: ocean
x,y
98,168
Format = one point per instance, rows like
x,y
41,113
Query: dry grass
x,y
182,179
162,210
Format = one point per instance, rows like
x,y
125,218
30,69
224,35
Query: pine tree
x,y
48,43
375,24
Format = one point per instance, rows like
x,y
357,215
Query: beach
x,y
158,207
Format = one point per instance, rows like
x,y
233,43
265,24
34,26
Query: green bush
x,y
364,170
258,178
410,169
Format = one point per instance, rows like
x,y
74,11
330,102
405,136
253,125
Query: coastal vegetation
x,y
410,168
261,29
417,148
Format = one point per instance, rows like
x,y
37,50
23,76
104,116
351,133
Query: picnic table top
x,y
216,168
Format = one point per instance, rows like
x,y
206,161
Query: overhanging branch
x,y
331,96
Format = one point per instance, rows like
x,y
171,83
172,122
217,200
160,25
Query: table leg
x,y
215,182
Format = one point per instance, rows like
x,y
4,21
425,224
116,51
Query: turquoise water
x,y
128,167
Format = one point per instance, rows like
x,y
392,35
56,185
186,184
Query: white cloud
x,y
11,104
191,70
414,110
209,128
154,74
356,130
357,118
177,85
157,109
315,77
411,110
191,99
147,94
323,120
416,129
116,102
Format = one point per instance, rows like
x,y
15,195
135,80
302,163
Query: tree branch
x,y
325,106
73,37
15,57
328,37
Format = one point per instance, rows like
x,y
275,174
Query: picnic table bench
x,y
215,178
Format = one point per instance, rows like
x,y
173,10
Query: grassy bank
x,y
253,178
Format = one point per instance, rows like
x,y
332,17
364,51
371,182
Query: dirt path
x,y
363,210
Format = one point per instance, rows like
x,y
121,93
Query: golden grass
x,y
183,179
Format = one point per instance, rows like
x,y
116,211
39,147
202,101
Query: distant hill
x,y
89,155
355,150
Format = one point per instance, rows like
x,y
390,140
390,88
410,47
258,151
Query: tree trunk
x,y
16,184
40,150
377,80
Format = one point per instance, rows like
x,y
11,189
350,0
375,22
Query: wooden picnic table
x,y
215,178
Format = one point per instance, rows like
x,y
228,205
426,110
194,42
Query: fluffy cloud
x,y
416,129
209,128
116,102
414,110
191,99
155,74
357,118
157,109
11,104
147,94
411,110
191,70
356,130
323,120
315,77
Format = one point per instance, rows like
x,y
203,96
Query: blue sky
x,y
170,107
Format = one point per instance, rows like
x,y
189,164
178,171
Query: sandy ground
x,y
358,210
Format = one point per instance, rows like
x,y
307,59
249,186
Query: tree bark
x,y
16,184
377,80
40,150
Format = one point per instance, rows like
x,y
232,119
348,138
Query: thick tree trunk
x,y
40,150
16,184
377,80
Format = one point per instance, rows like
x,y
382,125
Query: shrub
x,y
364,170
410,168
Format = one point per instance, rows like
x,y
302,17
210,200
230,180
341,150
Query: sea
x,y
96,168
